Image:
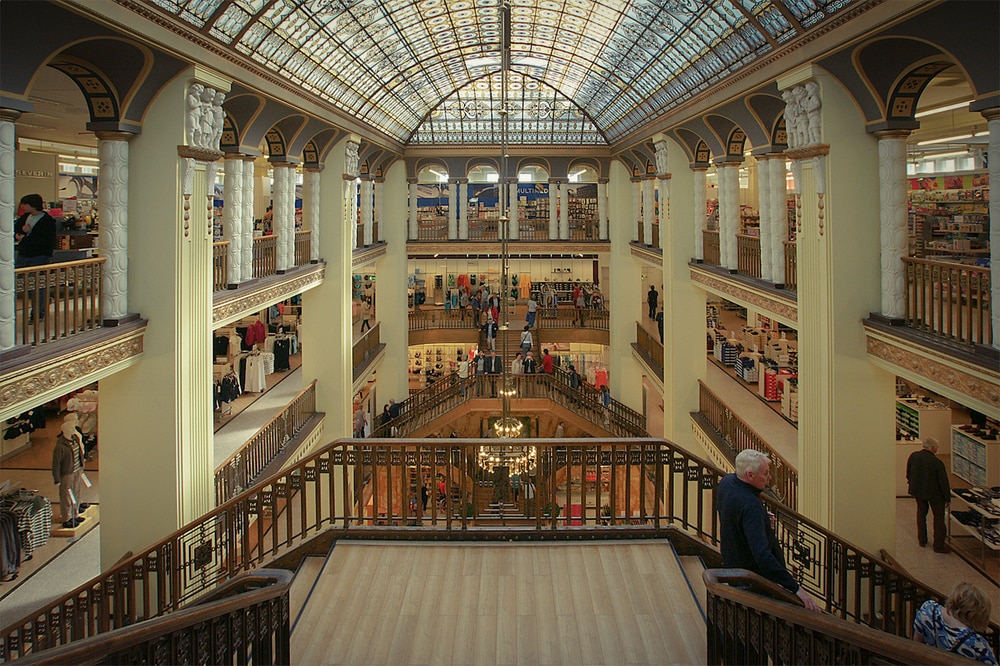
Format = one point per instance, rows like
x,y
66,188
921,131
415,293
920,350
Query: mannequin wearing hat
x,y
67,471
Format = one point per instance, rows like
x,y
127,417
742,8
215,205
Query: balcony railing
x,y
710,246
483,229
748,255
363,487
653,240
566,316
430,229
739,436
265,256
220,265
584,229
950,301
56,301
650,345
791,265
366,347
360,231
246,464
303,250
536,229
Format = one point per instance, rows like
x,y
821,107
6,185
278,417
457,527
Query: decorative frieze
x,y
229,309
786,311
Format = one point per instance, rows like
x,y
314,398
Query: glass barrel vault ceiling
x,y
391,63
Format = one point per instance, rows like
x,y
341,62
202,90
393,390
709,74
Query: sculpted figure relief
x,y
203,116
218,118
193,114
351,165
811,104
661,158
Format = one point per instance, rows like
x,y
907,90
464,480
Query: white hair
x,y
750,460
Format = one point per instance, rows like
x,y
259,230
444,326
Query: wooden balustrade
x,y
265,256
748,255
245,621
367,346
652,487
740,436
791,264
533,229
360,231
548,318
583,229
303,247
639,232
56,301
220,265
949,300
483,229
710,247
651,346
433,229
654,239
753,621
245,465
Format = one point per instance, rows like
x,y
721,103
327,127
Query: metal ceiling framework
x,y
585,72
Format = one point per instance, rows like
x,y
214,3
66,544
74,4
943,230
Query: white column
x,y
379,186
412,210
232,216
779,217
729,213
292,175
700,203
602,209
280,211
112,202
310,211
453,210
367,210
993,123
553,210
7,216
246,257
723,187
515,224
463,210
636,209
648,211
892,220
764,209
664,189
564,211
350,219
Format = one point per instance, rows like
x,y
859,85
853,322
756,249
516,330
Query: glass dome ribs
x,y
424,71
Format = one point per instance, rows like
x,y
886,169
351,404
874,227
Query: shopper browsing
x,y
928,483
958,625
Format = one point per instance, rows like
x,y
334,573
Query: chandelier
x,y
517,459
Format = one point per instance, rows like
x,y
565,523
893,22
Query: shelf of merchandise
x,y
974,459
918,419
953,222
980,546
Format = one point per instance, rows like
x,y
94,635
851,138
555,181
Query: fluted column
x,y
232,217
310,213
700,216
350,213
463,209
779,217
512,212
283,213
729,214
892,220
993,123
764,209
648,210
663,184
112,202
412,211
7,216
563,211
453,210
602,208
246,247
636,209
367,209
379,185
553,210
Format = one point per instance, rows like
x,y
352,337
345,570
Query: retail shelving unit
x,y
919,418
975,458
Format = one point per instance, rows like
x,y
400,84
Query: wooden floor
x,y
502,603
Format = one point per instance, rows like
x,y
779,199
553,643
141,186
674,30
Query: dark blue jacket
x,y
41,242
746,538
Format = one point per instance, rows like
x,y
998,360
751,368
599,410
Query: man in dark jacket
x,y
928,482
35,235
745,537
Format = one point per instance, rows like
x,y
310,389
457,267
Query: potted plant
x,y
547,510
606,514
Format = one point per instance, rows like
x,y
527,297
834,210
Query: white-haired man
x,y
746,538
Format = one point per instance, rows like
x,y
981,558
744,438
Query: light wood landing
x,y
597,603
302,585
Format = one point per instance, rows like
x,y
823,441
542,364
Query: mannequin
x,y
67,472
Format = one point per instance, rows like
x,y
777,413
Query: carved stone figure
x,y
661,158
802,124
351,164
793,117
218,119
811,104
207,97
193,114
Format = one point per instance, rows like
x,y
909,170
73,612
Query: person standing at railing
x,y
606,403
532,311
366,314
581,308
526,339
927,478
463,301
746,538
530,366
476,305
547,363
652,300
463,374
494,367
958,625
659,323
491,332
35,236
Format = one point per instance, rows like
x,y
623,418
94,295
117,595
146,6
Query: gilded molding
x,y
951,375
807,152
50,378
732,290
254,300
367,255
200,154
647,255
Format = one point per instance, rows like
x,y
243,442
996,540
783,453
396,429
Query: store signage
x,y
32,173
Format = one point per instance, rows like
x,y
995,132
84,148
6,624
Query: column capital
x,y
108,135
248,158
603,181
699,167
992,113
10,115
664,176
313,169
892,134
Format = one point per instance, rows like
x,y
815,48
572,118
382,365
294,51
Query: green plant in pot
x,y
547,510
606,514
